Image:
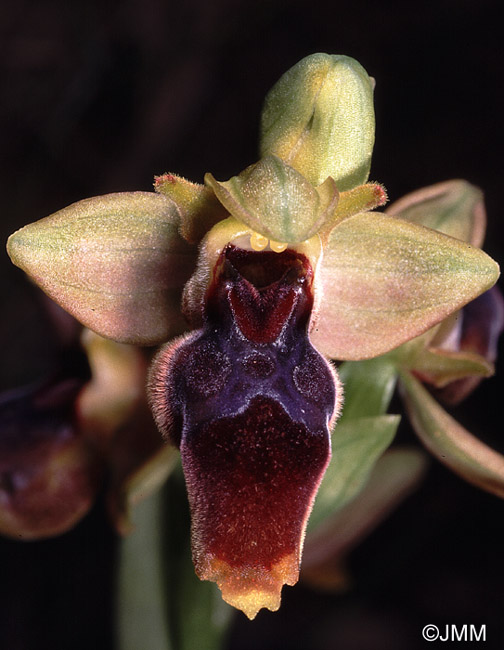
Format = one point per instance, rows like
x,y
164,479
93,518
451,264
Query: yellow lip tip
x,y
252,588
253,601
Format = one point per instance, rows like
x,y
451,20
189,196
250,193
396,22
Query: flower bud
x,y
455,208
49,476
319,118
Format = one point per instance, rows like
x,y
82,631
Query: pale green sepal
x,y
394,476
385,281
450,442
319,118
276,201
198,206
455,208
356,445
441,367
116,262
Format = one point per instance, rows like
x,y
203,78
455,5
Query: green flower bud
x,y
319,118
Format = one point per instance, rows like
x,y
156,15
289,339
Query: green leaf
x,y
116,262
394,476
385,281
356,445
127,491
450,442
277,201
162,605
360,436
369,386
319,118
455,208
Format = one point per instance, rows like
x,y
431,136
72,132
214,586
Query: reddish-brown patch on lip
x,y
270,287
251,481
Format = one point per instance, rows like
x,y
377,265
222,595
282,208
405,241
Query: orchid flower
x,y
63,438
254,285
454,356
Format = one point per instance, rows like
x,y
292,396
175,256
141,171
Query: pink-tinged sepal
x,y
249,400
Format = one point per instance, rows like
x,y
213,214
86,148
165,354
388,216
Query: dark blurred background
x,y
98,96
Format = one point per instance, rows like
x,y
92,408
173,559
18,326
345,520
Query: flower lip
x,y
249,400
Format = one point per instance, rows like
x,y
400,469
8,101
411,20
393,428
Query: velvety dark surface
x,y
253,400
98,97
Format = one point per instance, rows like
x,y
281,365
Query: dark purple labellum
x,y
248,400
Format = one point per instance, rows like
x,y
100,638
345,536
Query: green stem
x,y
142,606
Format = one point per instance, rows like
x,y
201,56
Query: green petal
x,y
198,206
361,199
115,262
276,200
384,281
319,118
450,442
455,208
356,446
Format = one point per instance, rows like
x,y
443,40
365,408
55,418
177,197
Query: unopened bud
x,y
319,118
